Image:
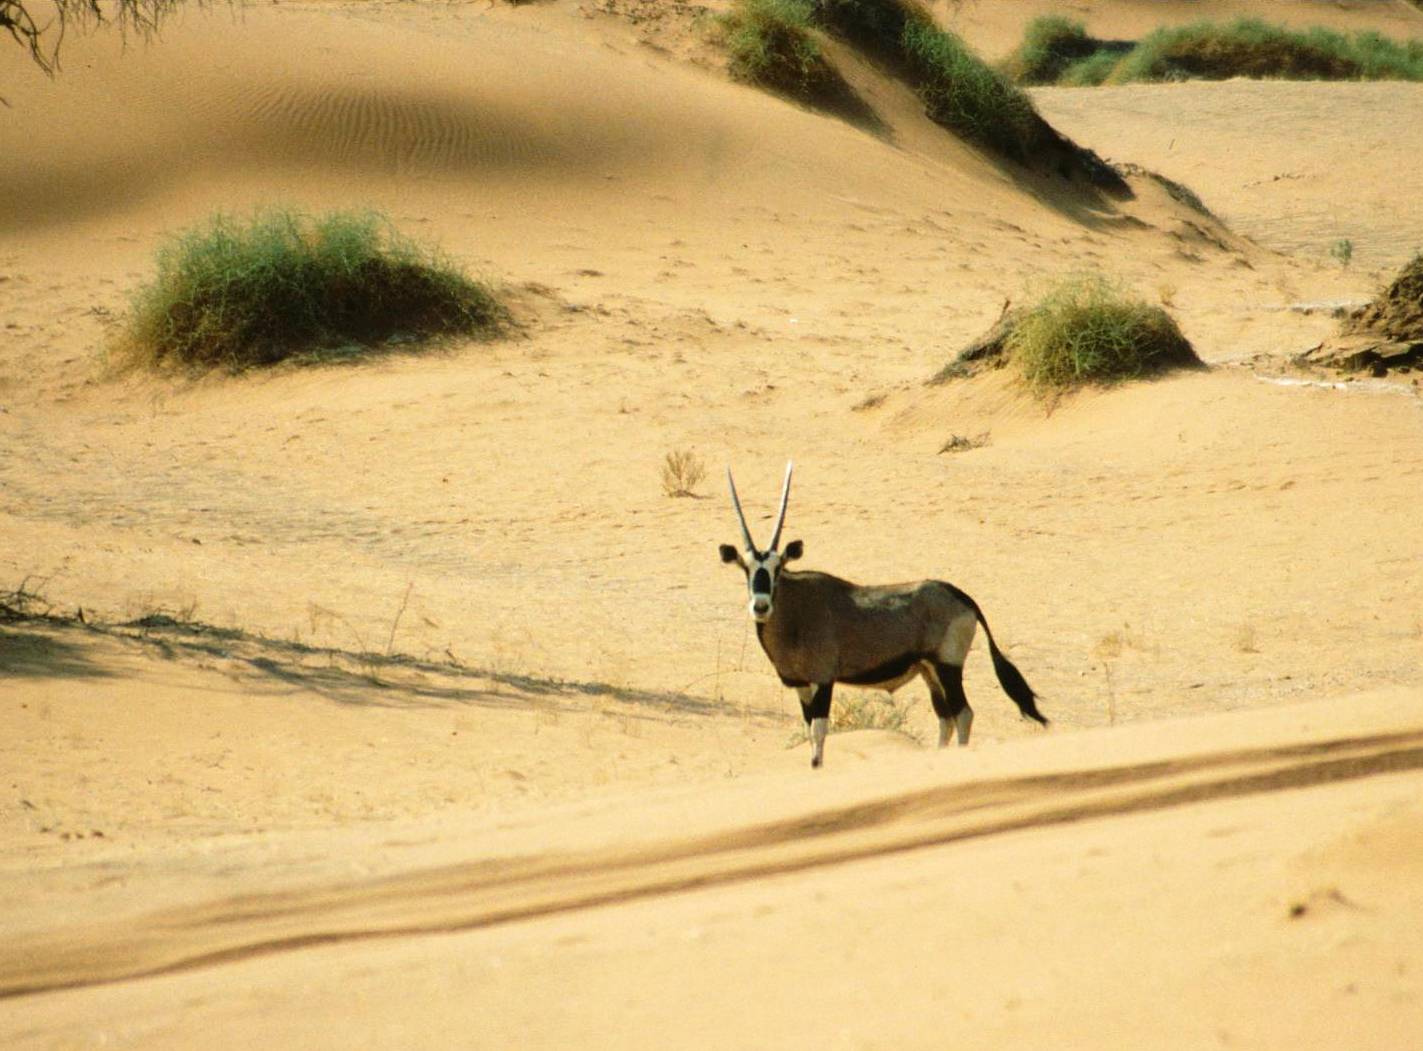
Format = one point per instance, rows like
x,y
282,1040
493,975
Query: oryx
x,y
819,630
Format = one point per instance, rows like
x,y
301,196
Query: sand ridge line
x,y
482,894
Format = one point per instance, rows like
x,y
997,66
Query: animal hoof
x,y
815,762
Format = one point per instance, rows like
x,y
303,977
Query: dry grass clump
x,y
236,294
1086,330
682,472
865,711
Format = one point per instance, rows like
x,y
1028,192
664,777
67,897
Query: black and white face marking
x,y
762,572
762,569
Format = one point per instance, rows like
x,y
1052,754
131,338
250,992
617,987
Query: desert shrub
x,y
1248,47
682,472
236,294
1055,50
1050,45
770,43
1380,58
1085,330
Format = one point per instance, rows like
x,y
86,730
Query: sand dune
x,y
405,708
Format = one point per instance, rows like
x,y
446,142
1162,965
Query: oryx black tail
x,y
1009,677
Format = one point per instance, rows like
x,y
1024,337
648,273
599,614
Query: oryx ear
x,y
730,554
793,551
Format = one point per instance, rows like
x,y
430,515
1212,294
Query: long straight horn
x,y
781,518
740,515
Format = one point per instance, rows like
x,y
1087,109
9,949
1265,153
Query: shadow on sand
x,y
26,653
36,645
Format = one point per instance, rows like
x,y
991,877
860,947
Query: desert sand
x,y
406,710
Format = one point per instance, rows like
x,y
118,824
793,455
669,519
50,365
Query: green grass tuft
x,y
770,43
1091,71
1086,331
962,92
237,294
1057,51
1051,44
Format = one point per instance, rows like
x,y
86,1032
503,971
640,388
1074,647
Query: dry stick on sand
x,y
395,624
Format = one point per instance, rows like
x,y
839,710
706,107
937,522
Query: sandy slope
x,y
1255,885
564,812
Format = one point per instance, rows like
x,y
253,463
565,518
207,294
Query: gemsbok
x,y
819,630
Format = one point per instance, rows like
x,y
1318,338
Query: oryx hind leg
x,y
950,703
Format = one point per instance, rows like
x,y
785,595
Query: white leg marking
x,y
965,723
818,729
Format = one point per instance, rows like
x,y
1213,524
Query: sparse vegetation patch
x,y
1051,45
241,293
864,711
770,43
774,43
682,472
959,90
962,92
1056,50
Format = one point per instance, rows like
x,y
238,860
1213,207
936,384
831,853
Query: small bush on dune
x,y
1245,48
1086,331
770,43
1248,47
1058,51
1380,58
237,294
1050,45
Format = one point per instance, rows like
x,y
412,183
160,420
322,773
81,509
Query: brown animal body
x,y
818,629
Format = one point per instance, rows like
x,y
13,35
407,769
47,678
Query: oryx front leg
x,y
815,708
